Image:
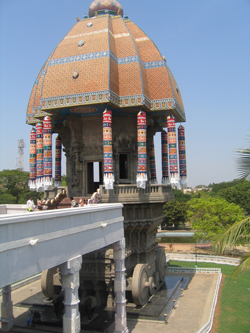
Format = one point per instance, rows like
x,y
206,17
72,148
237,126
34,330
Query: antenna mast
x,y
20,154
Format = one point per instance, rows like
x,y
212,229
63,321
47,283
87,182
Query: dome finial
x,y
101,7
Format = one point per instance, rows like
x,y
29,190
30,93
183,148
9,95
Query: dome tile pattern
x,y
111,6
117,65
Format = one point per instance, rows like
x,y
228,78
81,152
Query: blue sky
x,y
207,47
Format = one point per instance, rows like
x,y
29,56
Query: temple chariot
x,y
106,90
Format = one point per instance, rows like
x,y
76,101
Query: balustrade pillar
x,y
120,287
7,318
70,284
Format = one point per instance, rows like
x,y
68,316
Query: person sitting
x,y
81,203
73,202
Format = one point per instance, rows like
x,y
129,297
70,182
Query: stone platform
x,y
191,311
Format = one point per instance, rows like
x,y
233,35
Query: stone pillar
x,y
7,318
70,284
120,288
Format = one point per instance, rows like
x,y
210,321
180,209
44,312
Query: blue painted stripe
x,y
95,55
81,57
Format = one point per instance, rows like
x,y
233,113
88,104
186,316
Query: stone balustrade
x,y
130,193
12,209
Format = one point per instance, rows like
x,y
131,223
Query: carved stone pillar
x,y
70,284
120,288
7,309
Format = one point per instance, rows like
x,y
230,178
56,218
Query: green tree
x,y
6,198
244,163
175,213
64,182
211,216
239,231
238,194
14,187
221,186
180,196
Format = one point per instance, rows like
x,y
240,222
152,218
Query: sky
x,y
207,47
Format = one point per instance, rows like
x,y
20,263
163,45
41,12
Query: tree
x,y
238,194
244,163
14,187
175,213
211,216
239,231
180,196
63,179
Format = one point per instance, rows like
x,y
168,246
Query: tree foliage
x,y
63,179
239,232
244,162
175,213
14,187
210,216
238,194
180,196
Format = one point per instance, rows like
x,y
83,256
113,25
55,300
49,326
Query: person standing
x,y
30,205
39,204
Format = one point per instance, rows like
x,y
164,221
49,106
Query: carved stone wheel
x,y
156,280
140,284
161,263
152,287
47,284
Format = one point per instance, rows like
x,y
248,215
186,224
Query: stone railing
x,y
203,258
208,326
129,194
27,241
12,209
193,270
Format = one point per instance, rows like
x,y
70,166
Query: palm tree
x,y
244,163
239,231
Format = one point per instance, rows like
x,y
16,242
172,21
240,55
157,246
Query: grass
x,y
234,316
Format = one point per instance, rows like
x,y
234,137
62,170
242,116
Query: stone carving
x,y
77,178
120,285
71,281
71,325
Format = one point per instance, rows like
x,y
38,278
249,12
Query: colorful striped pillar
x,y
153,178
107,150
142,178
58,162
47,153
164,155
182,156
32,160
39,157
172,145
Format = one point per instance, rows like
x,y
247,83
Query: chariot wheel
x,y
151,288
161,263
140,284
156,280
47,284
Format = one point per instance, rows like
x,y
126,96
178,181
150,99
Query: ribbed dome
x,y
111,7
105,61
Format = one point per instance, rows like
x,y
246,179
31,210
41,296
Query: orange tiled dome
x,y
105,61
105,6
